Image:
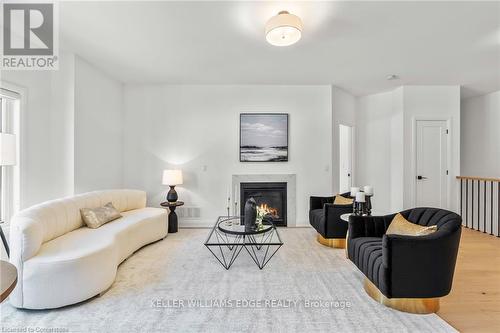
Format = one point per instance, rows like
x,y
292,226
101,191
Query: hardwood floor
x,y
474,302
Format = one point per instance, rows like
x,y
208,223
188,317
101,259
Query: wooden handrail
x,y
479,178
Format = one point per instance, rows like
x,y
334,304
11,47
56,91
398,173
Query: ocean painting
x,y
263,137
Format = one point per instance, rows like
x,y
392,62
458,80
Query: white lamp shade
x,y
283,29
172,177
7,149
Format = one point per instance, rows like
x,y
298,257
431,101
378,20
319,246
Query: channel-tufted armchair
x,y
408,273
324,216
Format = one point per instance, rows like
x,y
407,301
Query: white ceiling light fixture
x,y
283,29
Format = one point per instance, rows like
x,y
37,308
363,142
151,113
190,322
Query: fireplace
x,y
269,195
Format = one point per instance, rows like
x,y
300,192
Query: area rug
x,y
176,285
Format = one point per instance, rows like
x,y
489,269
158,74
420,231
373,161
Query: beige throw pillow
x,y
96,217
340,200
401,226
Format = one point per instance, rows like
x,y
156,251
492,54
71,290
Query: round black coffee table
x,y
230,236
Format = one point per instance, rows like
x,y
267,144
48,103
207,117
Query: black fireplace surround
x,y
272,194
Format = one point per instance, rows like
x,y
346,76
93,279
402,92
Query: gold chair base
x,y
411,305
338,243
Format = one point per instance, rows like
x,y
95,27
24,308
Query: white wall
x,y
480,140
433,103
46,132
62,115
196,128
98,129
379,160
84,131
343,113
385,138
398,148
71,136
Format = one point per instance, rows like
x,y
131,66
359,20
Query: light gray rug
x,y
181,269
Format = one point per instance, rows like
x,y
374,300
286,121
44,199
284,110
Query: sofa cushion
x,y
83,262
49,220
317,220
424,216
366,253
83,241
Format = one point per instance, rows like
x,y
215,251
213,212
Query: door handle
x,y
421,177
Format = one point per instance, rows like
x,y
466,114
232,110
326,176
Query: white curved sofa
x,y
61,262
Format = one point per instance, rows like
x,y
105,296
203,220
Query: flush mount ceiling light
x,y
284,29
392,77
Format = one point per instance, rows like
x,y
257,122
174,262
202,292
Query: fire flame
x,y
268,210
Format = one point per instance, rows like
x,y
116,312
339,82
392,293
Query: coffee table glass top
x,y
235,225
228,237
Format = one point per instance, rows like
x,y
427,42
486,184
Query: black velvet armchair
x,y
324,216
408,273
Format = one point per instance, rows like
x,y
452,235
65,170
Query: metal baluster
x,y
491,208
478,205
484,208
466,200
461,196
466,203
472,204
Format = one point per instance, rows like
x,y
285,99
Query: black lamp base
x,y
172,194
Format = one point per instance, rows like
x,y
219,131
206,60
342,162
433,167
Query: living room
x,y
243,166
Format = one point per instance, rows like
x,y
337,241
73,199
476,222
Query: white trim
x,y
353,154
413,167
353,157
8,93
22,93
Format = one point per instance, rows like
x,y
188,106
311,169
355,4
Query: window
x,y
10,104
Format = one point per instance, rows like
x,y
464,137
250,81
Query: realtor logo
x,y
29,36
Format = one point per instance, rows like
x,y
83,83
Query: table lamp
x,y
7,157
172,178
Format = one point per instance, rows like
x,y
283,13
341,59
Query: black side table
x,y
172,216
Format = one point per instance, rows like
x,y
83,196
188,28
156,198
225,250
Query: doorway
x,y
432,163
345,157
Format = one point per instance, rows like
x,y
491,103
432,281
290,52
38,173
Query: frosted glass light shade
x,y
284,29
172,177
7,149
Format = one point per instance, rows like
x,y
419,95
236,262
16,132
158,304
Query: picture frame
x,y
264,137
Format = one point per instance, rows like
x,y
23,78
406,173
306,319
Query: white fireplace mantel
x,y
290,179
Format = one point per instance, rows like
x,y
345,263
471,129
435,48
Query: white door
x,y
431,166
345,158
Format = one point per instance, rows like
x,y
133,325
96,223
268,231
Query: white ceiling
x,y
353,45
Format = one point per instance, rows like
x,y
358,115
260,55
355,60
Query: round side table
x,y
173,225
8,279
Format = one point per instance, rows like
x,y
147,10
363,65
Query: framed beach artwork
x,y
263,137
